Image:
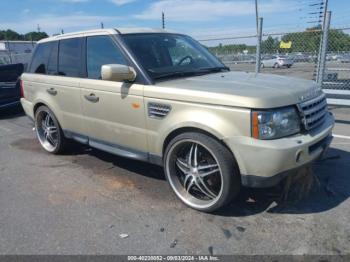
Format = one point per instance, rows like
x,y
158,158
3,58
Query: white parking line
x,y
340,136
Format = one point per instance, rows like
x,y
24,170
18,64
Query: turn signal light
x,y
255,125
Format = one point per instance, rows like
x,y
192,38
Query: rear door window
x,y
41,58
53,59
69,58
101,50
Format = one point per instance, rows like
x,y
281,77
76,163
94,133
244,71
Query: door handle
x,y
92,98
52,91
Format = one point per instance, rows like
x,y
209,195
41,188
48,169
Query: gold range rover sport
x,y
162,97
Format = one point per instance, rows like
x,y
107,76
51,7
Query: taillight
x,y
21,88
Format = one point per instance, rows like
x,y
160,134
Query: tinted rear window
x,y
69,59
40,58
53,59
43,61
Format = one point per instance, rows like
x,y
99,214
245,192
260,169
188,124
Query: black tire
x,y
62,142
289,66
276,65
227,165
262,65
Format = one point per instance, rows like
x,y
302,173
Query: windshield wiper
x,y
177,74
200,71
214,69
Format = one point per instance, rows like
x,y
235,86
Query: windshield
x,y
171,55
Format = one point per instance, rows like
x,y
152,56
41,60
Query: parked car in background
x,y
344,58
243,58
276,61
161,97
9,85
298,58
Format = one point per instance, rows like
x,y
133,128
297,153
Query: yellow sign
x,y
286,44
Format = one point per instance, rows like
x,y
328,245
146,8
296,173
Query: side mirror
x,y
118,73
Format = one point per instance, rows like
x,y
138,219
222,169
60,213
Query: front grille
x,y
313,111
156,110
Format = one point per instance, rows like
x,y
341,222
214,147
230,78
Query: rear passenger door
x,y
56,69
70,71
116,117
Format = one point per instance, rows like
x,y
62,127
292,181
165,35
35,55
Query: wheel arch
x,y
37,105
186,129
52,106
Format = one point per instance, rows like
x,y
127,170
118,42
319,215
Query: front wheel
x,y
201,171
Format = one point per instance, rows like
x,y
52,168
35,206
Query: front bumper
x,y
265,163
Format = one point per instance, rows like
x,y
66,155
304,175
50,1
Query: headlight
x,y
275,123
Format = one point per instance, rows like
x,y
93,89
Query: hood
x,y
238,89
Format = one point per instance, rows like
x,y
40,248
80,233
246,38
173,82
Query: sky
x,y
201,19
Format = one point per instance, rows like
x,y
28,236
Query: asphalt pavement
x,y
90,202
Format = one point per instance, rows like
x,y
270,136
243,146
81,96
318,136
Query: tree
x,y
35,36
309,40
12,35
233,48
270,45
338,41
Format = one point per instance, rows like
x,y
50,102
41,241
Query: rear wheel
x,y
201,171
276,65
48,131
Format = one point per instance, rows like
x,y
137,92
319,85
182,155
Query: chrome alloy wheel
x,y
47,131
196,177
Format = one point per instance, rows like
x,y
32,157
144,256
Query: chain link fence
x,y
337,74
286,53
237,53
11,58
296,54
15,52
292,54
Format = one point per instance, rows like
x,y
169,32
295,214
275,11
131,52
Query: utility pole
x,y
324,44
102,25
38,28
257,16
258,47
62,32
320,63
325,9
163,20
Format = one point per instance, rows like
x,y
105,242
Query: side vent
x,y
156,110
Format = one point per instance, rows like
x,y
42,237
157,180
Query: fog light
x,y
299,156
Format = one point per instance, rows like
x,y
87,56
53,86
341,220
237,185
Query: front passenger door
x,y
113,111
